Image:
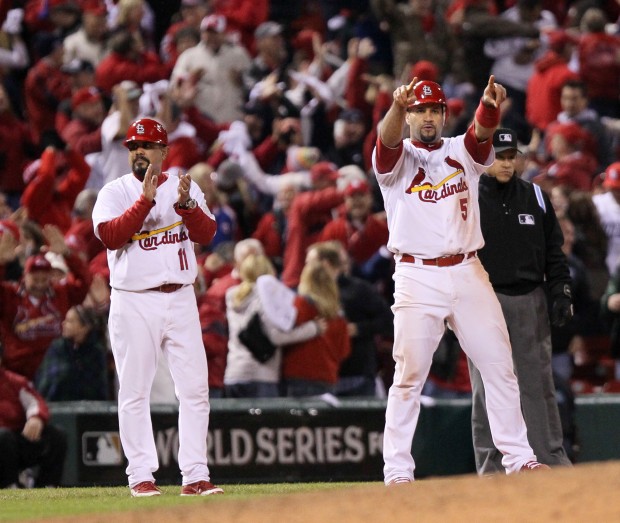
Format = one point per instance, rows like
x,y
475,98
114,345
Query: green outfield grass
x,y
29,504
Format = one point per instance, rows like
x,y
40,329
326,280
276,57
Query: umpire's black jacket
x,y
523,239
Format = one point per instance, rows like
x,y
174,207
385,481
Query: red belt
x,y
443,261
167,287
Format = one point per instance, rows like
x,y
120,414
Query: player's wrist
x,y
190,203
487,116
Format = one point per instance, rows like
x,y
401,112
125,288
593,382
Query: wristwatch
x,y
189,204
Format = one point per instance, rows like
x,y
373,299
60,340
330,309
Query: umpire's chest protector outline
x,y
431,200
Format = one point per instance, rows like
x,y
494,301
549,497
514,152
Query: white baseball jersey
x,y
431,200
162,251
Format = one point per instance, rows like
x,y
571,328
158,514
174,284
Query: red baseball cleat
x,y
200,488
145,489
534,466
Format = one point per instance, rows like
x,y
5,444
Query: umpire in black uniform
x,y
522,254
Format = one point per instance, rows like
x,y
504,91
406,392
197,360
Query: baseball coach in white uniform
x,y
149,221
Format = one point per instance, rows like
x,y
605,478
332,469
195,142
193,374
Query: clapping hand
x,y
149,184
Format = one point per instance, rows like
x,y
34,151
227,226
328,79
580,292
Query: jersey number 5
x,y
463,204
183,260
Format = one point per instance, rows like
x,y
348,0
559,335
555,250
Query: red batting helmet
x,y
146,130
428,92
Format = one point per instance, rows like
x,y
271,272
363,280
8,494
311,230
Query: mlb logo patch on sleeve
x,y
526,219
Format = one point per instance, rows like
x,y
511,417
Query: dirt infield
x,y
585,493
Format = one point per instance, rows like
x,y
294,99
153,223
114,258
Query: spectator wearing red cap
x,y
572,163
216,66
83,132
361,232
32,310
608,207
88,42
310,211
551,72
46,85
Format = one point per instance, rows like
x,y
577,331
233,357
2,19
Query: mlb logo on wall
x,y
526,219
101,449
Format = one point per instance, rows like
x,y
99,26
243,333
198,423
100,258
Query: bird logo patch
x,y
526,219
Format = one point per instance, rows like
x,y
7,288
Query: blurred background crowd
x,y
273,107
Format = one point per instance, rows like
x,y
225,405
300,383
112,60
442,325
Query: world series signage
x,y
267,441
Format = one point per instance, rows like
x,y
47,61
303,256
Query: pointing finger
x,y
411,84
492,81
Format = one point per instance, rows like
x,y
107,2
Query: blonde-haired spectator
x,y
245,376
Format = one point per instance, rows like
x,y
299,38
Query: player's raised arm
x,y
488,113
391,129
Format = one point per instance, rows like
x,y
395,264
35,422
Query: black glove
x,y
562,311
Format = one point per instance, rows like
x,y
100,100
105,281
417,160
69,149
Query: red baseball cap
x,y
94,7
37,262
215,23
357,187
85,95
324,172
611,179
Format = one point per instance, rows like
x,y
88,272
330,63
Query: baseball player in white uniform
x,y
149,222
430,189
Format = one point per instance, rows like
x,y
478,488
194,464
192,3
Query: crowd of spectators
x,y
273,109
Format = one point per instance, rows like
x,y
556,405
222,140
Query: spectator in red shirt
x,y
126,61
361,232
46,85
26,437
309,213
272,228
551,72
243,17
599,63
53,183
32,311
311,367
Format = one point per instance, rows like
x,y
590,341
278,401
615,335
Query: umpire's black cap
x,y
504,140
